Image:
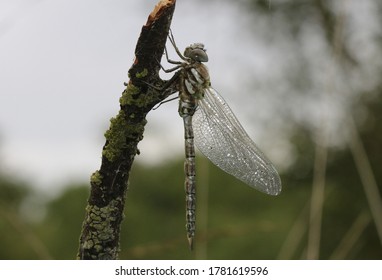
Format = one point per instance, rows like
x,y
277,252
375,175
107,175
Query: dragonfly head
x,y
196,52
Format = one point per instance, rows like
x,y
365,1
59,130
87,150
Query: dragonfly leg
x,y
178,63
170,60
171,69
172,40
166,86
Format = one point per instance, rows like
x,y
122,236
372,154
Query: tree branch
x,y
104,212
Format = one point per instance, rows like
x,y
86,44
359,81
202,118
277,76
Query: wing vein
x,y
222,139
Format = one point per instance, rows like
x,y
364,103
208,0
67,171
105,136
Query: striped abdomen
x,y
194,80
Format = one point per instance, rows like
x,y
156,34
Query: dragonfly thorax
x,y
196,79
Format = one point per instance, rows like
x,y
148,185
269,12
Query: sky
x,y
62,68
63,65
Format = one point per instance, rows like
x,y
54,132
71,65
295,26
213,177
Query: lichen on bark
x,y
104,213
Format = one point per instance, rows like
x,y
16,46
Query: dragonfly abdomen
x,y
193,81
187,109
190,181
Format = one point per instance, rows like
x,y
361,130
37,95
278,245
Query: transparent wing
x,y
222,139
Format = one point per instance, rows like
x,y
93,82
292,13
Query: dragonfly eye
x,y
196,52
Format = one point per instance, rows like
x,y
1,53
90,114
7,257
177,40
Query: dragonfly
x,y
210,124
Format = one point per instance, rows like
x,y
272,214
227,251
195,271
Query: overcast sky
x,y
62,68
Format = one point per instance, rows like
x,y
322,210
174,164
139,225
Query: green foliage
x,y
60,230
241,223
13,230
233,220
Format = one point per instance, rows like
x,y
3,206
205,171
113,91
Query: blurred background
x,y
302,76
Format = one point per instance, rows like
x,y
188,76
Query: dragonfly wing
x,y
222,139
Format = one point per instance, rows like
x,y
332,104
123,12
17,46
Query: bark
x,y
104,213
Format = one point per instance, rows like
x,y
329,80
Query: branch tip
x,y
158,10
